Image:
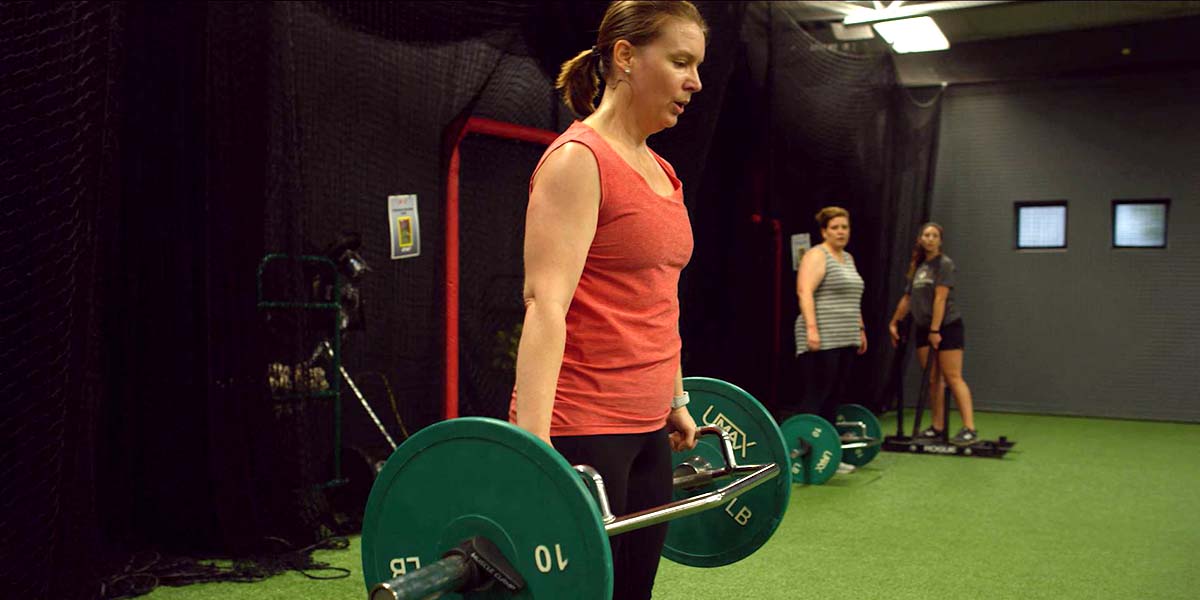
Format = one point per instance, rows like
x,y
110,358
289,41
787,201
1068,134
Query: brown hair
x,y
918,253
637,22
829,213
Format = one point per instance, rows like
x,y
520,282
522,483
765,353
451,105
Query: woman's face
x,y
931,239
665,73
837,232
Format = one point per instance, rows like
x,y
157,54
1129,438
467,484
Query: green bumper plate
x,y
856,412
476,476
814,445
727,534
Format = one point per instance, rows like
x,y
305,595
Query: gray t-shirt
x,y
929,275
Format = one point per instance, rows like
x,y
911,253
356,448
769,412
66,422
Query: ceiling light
x,y
899,10
919,34
851,33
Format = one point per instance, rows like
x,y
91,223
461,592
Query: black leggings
x,y
823,378
637,474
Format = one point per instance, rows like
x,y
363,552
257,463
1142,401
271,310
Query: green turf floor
x,y
1083,508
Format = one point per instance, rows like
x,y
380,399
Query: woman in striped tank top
x,y
829,329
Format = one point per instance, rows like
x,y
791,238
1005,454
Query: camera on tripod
x,y
343,251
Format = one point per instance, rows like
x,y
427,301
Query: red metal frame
x,y
774,287
457,131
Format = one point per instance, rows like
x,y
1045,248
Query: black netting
x,y
55,76
916,114
829,127
494,189
358,118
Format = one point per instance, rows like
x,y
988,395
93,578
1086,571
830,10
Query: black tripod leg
x,y
945,417
924,392
898,384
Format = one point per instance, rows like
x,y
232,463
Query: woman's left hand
x,y
682,428
862,342
935,340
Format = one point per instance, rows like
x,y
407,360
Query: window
x,y
1042,224
1140,223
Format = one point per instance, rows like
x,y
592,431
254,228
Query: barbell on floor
x,y
816,447
481,503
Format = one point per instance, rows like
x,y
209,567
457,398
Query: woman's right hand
x,y
814,340
894,333
544,436
541,432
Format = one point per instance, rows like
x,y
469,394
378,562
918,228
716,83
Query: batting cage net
x,y
56,92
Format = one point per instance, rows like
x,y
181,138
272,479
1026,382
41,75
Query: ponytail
x,y
639,23
918,255
579,82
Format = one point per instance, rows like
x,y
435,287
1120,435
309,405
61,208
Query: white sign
x,y
405,226
800,245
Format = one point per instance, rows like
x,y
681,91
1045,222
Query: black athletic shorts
x,y
953,337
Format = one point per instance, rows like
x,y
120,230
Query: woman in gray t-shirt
x,y
930,297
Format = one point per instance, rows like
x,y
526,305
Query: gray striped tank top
x,y
838,301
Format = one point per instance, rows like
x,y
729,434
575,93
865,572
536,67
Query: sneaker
x,y
965,437
929,434
844,468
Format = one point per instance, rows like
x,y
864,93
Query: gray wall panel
x,y
1091,330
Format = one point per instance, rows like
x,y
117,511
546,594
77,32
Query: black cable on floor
x,y
149,570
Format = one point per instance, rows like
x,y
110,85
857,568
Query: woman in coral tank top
x,y
606,236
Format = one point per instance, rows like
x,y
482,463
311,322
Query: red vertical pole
x,y
450,385
458,130
777,306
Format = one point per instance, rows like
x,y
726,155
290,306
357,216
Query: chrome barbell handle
x,y
866,440
859,425
703,502
759,474
704,476
701,475
600,494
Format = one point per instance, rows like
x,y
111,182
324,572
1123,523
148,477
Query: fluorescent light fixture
x,y
858,15
851,33
918,34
